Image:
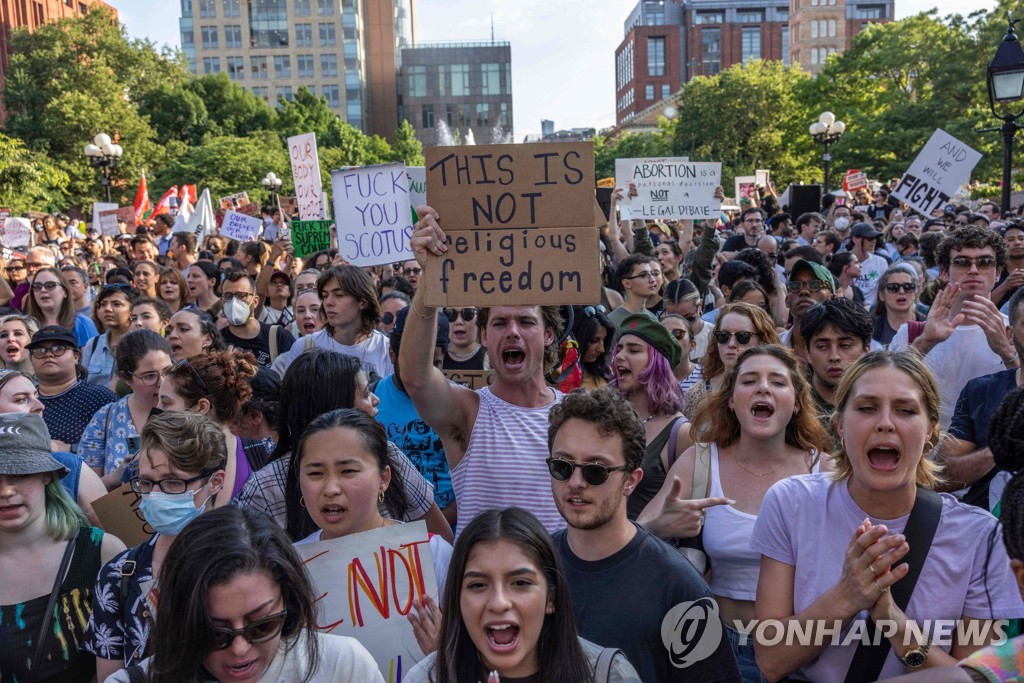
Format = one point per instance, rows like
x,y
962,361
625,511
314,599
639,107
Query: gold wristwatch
x,y
915,657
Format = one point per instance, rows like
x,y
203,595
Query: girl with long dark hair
x,y
594,333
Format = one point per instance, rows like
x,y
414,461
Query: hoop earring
x,y
380,498
302,502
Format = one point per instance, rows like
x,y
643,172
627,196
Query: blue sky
x,y
562,50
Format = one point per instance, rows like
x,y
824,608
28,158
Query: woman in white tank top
x,y
761,427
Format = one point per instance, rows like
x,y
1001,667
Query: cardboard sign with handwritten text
x,y
374,221
937,173
117,512
368,583
519,222
474,379
309,190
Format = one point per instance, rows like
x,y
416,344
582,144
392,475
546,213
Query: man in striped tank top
x,y
495,439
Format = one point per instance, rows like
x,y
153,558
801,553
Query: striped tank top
x,y
504,463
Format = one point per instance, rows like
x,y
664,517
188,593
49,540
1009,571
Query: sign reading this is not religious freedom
x,y
367,584
519,225
943,165
309,190
673,188
371,210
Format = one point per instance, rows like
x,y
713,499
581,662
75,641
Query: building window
x,y
654,13
823,55
711,51
782,15
831,28
328,35
503,118
301,8
814,29
624,66
303,35
186,9
188,39
814,3
870,12
208,36
268,23
491,78
233,37
483,115
207,9
305,66
262,91
649,92
282,66
750,16
325,7
785,45
285,93
417,82
236,68
464,113
333,95
460,80
211,65
428,116
665,91
710,18
814,55
231,8
259,67
328,66
655,56
751,48
354,112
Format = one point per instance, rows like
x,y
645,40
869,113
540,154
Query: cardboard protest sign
x,y
762,177
117,512
368,583
233,201
309,190
103,222
16,232
746,186
126,214
309,237
673,188
371,210
854,180
937,173
417,188
519,224
238,226
474,379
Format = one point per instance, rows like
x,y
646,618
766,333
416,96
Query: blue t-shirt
x,y
85,329
418,441
978,402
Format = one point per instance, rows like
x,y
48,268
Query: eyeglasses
x,y
753,220
172,487
241,296
965,262
118,287
34,266
56,351
895,287
453,314
183,363
15,267
591,311
691,318
593,473
647,275
305,288
259,631
723,337
387,318
412,271
48,286
149,379
795,286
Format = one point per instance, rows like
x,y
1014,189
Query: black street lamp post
x,y
1006,84
104,155
826,131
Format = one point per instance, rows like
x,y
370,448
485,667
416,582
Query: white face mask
x,y
236,312
842,223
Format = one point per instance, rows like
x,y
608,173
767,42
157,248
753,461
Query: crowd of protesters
x,y
808,419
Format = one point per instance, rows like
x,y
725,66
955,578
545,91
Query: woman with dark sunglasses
x,y
242,612
897,301
464,349
180,475
49,302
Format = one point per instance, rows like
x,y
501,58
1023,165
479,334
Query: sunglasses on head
x,y
593,474
895,287
259,631
453,314
183,363
723,337
591,311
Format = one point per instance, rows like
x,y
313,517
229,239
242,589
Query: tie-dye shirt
x,y
63,658
999,663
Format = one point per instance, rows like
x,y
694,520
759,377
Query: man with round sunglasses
x,y
965,336
597,445
465,352
809,284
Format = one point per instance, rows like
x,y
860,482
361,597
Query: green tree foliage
x,y
233,110
630,146
406,148
29,180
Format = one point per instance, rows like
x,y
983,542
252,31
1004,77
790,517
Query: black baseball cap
x,y
442,326
864,230
53,333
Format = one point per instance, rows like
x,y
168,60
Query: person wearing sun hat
x,y
645,354
43,531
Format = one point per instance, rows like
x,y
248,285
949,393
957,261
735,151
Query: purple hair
x,y
663,393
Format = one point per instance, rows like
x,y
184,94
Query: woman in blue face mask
x,y
181,474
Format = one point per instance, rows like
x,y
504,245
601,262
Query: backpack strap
x,y
673,440
693,548
309,343
273,342
603,666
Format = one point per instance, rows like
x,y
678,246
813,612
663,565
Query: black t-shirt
x,y
259,345
735,243
474,362
882,211
67,415
621,601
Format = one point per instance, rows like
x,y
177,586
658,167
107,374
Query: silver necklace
x,y
463,356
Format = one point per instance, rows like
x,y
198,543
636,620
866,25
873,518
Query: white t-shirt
x,y
955,362
871,269
341,659
373,352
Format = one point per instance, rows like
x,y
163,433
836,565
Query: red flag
x,y
187,193
164,205
142,204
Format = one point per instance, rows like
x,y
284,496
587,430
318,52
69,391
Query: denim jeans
x,y
745,657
